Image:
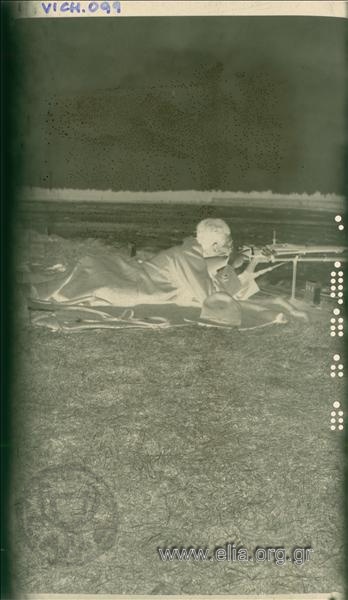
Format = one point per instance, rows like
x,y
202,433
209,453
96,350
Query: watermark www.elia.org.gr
x,y
231,553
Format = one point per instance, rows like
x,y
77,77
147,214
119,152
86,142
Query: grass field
x,y
197,437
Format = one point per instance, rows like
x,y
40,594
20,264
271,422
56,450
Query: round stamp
x,y
68,515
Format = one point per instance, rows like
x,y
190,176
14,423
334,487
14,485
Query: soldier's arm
x,y
215,263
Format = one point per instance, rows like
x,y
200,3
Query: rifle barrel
x,y
294,249
307,259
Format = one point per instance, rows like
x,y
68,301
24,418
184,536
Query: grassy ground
x,y
199,438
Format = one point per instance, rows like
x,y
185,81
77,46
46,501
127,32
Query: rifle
x,y
294,253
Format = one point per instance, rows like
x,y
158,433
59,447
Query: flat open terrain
x,y
126,441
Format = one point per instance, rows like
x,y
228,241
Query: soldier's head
x,y
214,235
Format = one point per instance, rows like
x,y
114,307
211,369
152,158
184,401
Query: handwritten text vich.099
x,y
86,8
